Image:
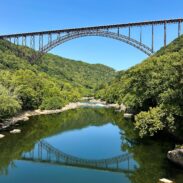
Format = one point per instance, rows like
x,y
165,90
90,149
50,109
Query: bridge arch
x,y
74,35
53,155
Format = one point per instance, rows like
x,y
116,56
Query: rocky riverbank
x,y
176,156
24,116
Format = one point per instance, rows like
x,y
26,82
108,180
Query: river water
x,y
86,145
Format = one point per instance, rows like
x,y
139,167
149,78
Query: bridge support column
x,y
165,34
49,38
152,38
49,154
16,40
57,157
179,29
32,42
58,35
32,154
140,35
40,151
24,41
40,42
118,31
129,32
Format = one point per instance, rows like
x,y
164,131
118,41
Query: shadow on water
x,y
150,154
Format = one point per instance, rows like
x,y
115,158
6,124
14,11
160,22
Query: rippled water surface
x,y
83,145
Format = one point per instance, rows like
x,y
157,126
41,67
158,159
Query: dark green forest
x,y
152,90
46,83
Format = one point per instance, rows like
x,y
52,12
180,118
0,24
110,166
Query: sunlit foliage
x,y
47,83
153,90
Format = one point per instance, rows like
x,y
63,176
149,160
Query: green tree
x,y
8,103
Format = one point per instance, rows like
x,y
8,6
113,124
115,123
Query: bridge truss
x,y
44,41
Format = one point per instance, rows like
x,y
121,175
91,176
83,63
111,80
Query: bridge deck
x,y
135,24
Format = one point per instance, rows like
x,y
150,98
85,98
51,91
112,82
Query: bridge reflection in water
x,y
46,153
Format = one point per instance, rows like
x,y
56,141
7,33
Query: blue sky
x,y
37,15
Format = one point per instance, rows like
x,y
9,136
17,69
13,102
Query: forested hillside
x,y
91,76
47,83
153,90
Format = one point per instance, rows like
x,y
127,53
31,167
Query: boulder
x,y
2,136
15,131
128,115
25,118
165,181
176,156
112,106
122,107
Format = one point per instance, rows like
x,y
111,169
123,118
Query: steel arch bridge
x,y
44,41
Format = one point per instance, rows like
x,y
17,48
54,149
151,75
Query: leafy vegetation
x,y
153,90
49,83
91,76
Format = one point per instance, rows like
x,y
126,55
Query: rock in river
x,y
15,131
2,136
165,181
176,156
128,115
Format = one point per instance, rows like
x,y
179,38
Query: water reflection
x,y
70,133
46,153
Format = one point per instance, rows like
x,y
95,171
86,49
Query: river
x,y
84,145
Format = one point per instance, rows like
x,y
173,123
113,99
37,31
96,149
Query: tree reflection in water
x,y
150,154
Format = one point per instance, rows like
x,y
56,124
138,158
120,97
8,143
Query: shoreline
x,y
25,115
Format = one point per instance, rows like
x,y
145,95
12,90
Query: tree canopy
x,y
153,90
